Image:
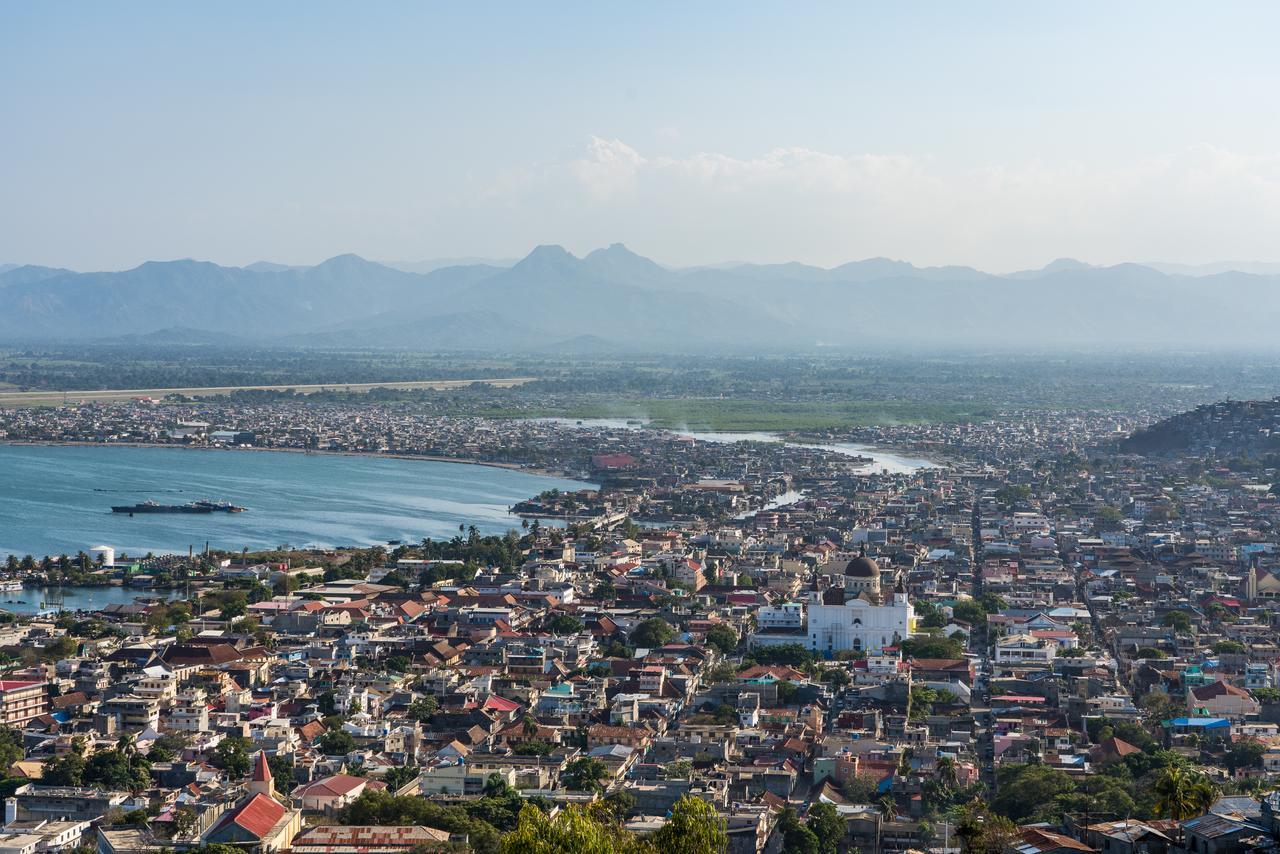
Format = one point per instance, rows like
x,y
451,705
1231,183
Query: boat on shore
x,y
189,507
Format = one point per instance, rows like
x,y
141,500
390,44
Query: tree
x,y
1245,753
971,612
859,790
924,646
385,808
282,769
584,774
723,638
10,747
722,672
680,769
825,822
982,831
786,693
796,838
1159,706
1177,620
235,605
1022,791
789,654
335,742
423,709
185,822
564,624
66,770
397,777
398,663
652,633
1181,795
620,803
694,828
118,771
232,756
947,772
575,830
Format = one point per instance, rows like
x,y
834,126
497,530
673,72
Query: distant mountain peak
x,y
547,257
549,252
613,250
346,259
1065,264
617,260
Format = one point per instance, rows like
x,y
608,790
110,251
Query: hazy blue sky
x,y
1000,135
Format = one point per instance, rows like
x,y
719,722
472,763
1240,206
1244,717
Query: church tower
x,y
261,783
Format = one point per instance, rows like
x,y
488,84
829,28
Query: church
x,y
849,613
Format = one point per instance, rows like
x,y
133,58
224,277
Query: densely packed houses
x,y
1044,644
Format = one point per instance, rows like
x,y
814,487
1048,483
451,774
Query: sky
x,y
997,135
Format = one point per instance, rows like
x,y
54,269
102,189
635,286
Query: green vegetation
x,y
693,828
584,774
653,633
788,654
483,820
723,638
926,646
1153,784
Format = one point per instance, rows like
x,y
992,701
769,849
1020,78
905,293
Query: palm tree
x,y
529,725
1180,795
888,808
947,772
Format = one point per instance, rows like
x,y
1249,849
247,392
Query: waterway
x,y
58,499
881,459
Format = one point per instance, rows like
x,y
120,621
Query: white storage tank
x,y
107,552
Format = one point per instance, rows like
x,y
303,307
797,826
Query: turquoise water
x,y
31,600
56,499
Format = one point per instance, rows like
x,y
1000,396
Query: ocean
x,y
58,499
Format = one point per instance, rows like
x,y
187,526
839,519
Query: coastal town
x,y
1042,641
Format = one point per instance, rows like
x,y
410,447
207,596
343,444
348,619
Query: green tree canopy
x,y
653,632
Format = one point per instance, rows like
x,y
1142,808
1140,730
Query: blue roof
x,y
1201,722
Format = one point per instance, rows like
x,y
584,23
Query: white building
x,y
857,624
784,617
846,615
1025,649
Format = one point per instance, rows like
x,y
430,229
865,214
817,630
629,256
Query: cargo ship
x,y
191,507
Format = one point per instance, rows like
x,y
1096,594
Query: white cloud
x,y
1196,205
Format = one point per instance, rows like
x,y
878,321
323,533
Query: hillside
x,y
1233,428
625,302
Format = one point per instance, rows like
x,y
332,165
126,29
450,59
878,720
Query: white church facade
x,y
847,615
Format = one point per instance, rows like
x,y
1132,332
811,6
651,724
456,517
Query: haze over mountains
x,y
613,300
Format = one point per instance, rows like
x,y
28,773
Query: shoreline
x,y
50,443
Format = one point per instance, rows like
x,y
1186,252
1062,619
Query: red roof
x,y
500,704
257,815
11,684
261,770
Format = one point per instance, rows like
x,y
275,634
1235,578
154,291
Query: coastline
x,y
49,443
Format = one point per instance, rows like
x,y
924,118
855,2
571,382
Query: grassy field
x,y
51,398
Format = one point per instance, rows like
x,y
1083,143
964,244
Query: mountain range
x,y
613,300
